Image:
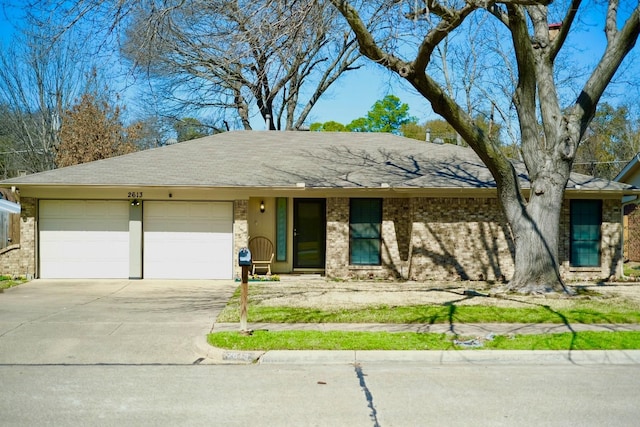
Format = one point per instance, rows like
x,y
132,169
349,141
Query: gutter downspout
x,y
629,202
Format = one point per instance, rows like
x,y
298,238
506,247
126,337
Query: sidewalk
x,y
214,355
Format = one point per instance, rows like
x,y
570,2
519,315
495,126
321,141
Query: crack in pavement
x,y
367,394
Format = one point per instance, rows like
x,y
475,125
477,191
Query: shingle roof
x,y
284,159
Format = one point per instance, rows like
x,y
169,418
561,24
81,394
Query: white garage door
x,y
84,239
188,240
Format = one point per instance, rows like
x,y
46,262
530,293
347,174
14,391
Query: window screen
x,y
365,231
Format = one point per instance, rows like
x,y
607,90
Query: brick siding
x,y
396,237
460,238
240,232
455,239
337,248
632,244
425,239
19,260
611,242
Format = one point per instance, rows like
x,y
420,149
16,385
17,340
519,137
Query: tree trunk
x,y
537,235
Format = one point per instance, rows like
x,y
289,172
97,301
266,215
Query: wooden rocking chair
x,y
261,254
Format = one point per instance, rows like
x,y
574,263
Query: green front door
x,y
309,231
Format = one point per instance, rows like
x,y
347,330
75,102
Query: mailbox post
x,y
244,261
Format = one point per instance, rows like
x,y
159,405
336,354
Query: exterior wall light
x,y
261,206
135,202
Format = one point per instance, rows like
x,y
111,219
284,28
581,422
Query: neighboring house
x,y
366,205
9,221
630,174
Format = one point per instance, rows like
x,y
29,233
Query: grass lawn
x,y
337,340
7,282
578,311
632,269
590,308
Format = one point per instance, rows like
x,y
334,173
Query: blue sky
x,y
356,92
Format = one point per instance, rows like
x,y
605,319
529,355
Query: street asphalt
x,y
122,322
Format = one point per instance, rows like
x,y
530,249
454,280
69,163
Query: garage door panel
x,y
163,226
84,224
190,240
84,239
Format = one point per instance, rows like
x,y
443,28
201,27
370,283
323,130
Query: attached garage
x,y
91,239
84,239
187,240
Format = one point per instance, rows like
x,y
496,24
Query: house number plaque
x,y
134,194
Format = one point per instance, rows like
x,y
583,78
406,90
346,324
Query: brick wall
x,y
396,232
455,239
460,238
396,237
337,250
427,238
240,232
611,255
633,241
19,259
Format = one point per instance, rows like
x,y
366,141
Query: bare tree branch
x,y
264,54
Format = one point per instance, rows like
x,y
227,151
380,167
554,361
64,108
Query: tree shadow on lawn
x,y
588,316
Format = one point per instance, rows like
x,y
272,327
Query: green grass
x,y
336,340
631,270
589,307
7,282
585,312
588,340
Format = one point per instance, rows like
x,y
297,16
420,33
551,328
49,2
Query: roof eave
x,y
627,169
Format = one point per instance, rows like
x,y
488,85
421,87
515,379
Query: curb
x,y
454,357
219,356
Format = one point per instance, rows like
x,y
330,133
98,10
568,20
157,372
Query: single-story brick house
x,y
339,204
630,174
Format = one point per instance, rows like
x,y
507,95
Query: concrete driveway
x,y
109,321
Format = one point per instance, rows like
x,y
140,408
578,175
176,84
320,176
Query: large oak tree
x,y
404,37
